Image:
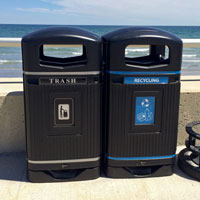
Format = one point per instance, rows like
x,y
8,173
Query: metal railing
x,y
16,42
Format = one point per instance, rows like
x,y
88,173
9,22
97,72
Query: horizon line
x,y
93,24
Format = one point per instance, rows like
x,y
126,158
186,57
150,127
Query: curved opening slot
x,y
147,56
60,56
64,174
143,171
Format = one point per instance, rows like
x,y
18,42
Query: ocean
x,y
11,63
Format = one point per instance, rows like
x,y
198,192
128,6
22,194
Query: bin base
x,y
139,172
63,175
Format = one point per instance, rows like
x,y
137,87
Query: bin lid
x,y
34,59
117,41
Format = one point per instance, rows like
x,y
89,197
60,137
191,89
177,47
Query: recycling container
x,y
142,102
62,105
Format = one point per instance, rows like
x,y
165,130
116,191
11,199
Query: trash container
x,y
62,105
142,102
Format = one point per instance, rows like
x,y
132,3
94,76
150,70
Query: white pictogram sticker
x,y
63,111
145,116
145,103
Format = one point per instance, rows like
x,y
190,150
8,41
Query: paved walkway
x,y
14,186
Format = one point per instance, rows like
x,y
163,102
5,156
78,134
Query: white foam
x,y
137,50
193,61
188,56
10,61
76,53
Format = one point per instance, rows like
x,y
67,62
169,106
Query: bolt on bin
x,y
62,105
142,102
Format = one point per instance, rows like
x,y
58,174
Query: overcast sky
x,y
101,12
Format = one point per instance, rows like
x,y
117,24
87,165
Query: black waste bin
x,y
62,106
142,103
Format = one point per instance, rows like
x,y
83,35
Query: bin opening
x,y
147,56
62,55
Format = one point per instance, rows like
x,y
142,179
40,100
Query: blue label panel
x,y
144,110
146,80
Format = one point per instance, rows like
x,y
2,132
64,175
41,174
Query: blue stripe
x,y
141,158
141,72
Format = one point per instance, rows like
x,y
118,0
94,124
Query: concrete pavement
x,y
14,186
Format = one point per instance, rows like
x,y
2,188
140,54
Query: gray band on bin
x,y
63,161
63,73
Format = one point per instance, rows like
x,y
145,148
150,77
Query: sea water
x,y
11,63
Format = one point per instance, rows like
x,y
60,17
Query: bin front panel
x,y
142,130
63,121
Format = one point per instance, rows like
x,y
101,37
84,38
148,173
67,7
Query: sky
x,y
100,12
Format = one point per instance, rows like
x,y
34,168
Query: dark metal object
x,y
189,158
